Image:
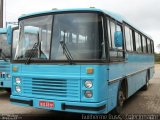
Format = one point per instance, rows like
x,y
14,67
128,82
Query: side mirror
x,y
118,39
9,34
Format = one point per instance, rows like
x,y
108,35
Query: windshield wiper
x,y
32,53
3,55
66,51
4,58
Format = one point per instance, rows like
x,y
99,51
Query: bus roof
x,y
3,30
116,16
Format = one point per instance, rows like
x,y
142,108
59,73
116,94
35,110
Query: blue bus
x,y
80,60
5,55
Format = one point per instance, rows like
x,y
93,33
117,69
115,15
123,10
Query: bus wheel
x,y
120,102
8,90
145,87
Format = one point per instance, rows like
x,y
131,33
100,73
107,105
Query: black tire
x,y
120,102
145,87
8,90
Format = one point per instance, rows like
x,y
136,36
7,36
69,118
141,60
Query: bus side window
x,y
128,39
119,28
138,42
113,30
148,45
144,44
109,34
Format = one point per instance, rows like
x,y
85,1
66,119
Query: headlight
x,y
88,84
18,89
88,94
8,75
18,80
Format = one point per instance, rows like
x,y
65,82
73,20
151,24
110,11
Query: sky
x,y
141,13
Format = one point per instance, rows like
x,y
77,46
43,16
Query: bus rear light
x,y
90,70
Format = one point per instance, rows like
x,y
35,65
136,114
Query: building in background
x,y
1,13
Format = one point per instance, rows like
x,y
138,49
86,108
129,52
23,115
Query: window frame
x,y
109,39
149,52
133,37
130,30
109,20
145,39
139,41
152,46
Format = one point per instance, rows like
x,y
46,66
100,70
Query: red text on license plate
x,y
46,104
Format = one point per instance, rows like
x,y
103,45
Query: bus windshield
x,y
81,33
6,48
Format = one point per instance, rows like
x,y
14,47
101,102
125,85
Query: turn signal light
x,y
14,68
90,70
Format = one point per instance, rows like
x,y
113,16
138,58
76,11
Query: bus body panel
x,y
39,82
112,95
5,84
134,69
4,72
100,82
69,78
136,81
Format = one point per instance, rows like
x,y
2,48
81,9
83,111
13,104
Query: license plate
x,y
46,104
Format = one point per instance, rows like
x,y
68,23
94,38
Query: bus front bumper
x,y
78,107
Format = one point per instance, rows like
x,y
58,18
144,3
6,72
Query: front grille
x,y
60,89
